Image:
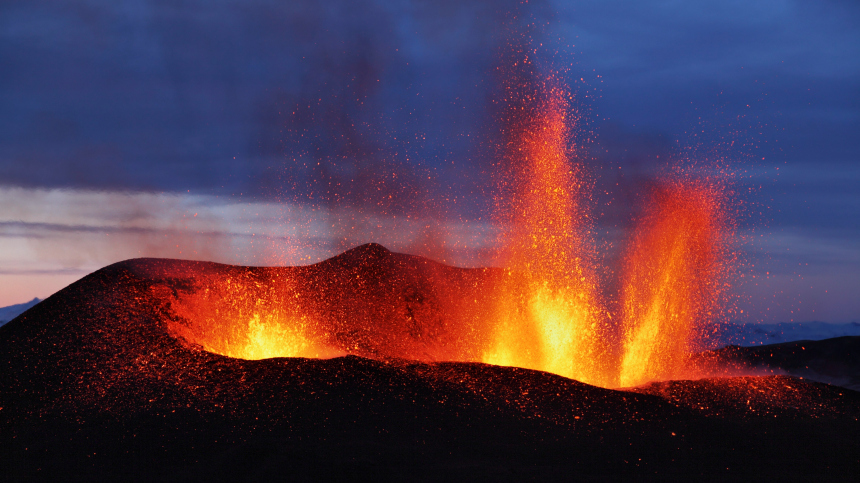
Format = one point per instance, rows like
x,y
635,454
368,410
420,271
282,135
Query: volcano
x,y
154,369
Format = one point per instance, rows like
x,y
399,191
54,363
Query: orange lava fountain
x,y
544,311
548,315
246,318
673,279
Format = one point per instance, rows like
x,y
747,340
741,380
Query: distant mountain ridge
x,y
747,335
10,312
834,360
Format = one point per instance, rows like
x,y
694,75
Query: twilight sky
x,y
275,132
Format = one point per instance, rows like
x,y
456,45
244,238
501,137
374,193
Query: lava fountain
x,y
545,310
674,278
244,317
548,314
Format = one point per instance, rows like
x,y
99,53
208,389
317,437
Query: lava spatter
x,y
673,278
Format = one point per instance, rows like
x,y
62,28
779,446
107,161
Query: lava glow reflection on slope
x,y
243,318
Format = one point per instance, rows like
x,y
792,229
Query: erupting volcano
x,y
385,365
118,376
543,310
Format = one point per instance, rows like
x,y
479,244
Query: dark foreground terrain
x,y
834,361
93,386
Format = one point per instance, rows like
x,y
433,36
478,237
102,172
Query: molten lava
x,y
545,310
558,327
246,318
673,280
550,316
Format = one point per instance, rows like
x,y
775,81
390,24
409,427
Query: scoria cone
x,y
97,382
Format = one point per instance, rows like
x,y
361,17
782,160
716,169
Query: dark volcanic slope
x,y
749,397
94,386
834,361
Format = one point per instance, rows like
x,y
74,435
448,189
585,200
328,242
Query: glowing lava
x,y
550,316
243,318
545,310
673,279
558,325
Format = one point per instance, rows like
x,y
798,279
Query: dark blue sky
x,y
389,106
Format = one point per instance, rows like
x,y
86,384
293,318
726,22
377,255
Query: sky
x,y
275,133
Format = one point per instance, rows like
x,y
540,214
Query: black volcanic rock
x,y
833,361
753,397
94,386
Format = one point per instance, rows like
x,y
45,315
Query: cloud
x,y
344,102
51,237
